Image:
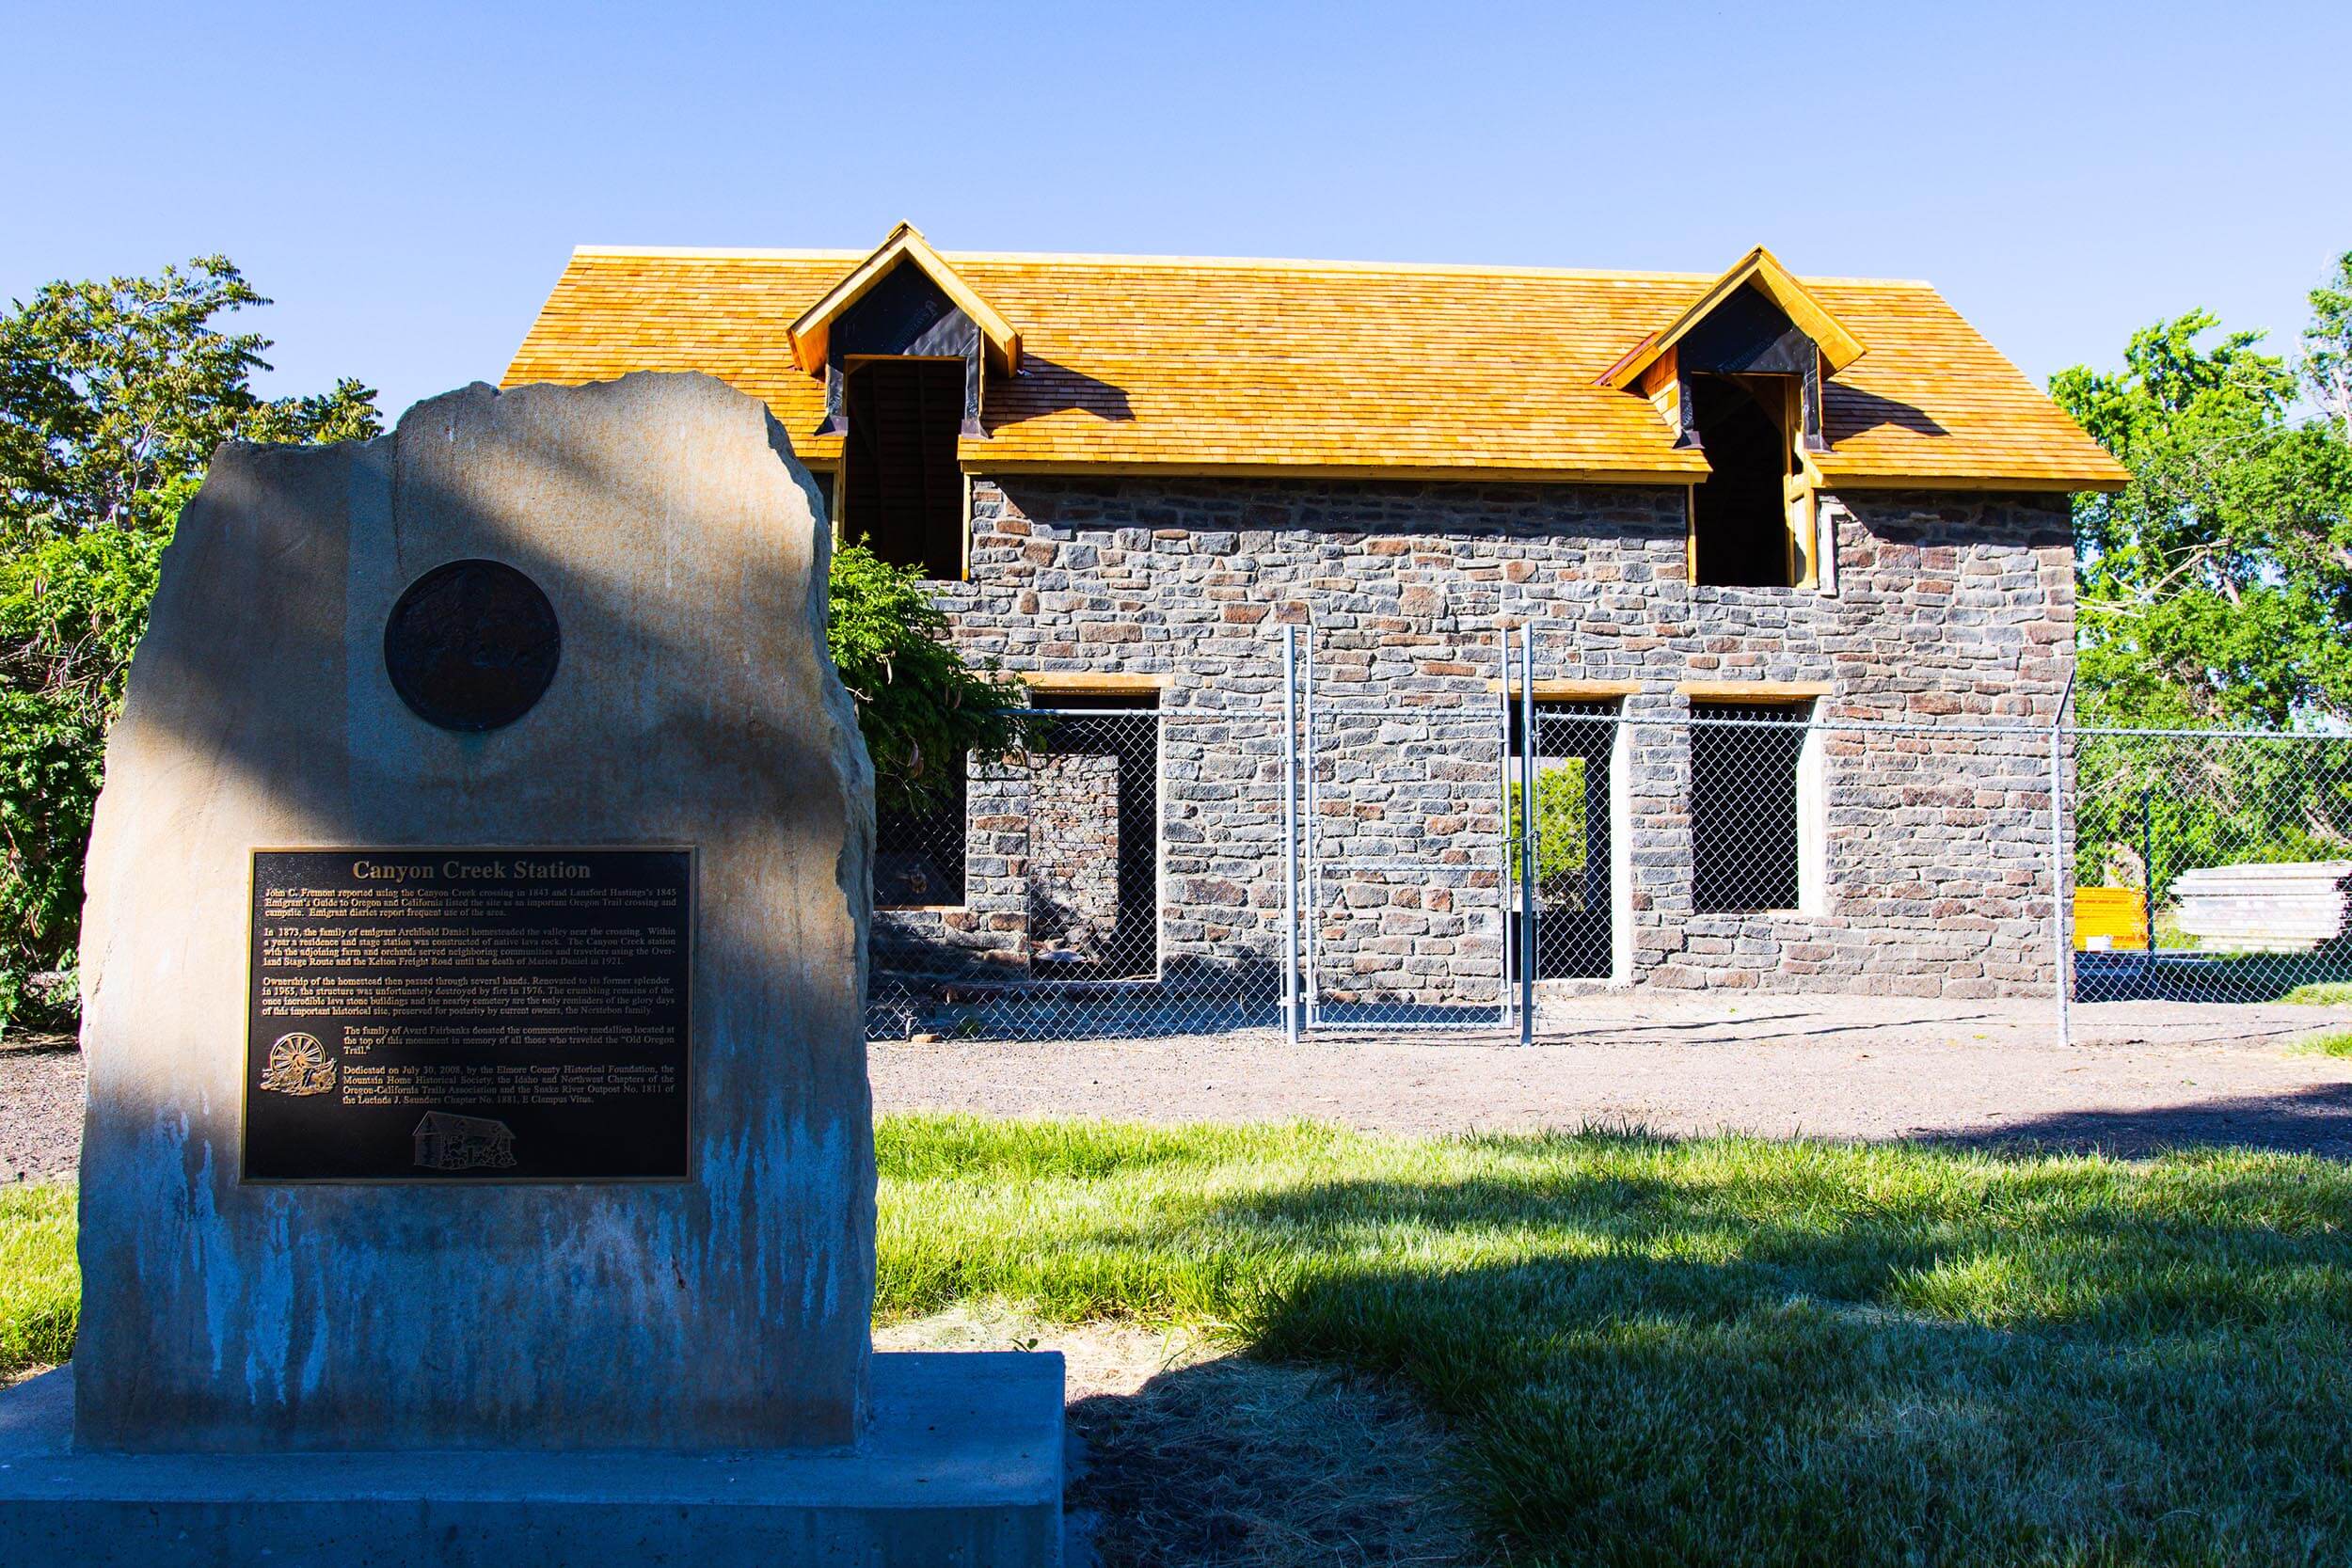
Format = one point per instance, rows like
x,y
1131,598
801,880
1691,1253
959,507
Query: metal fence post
x,y
1290,834
1527,833
1506,988
2061,938
1310,871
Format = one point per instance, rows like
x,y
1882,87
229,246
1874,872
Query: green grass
x,y
40,1284
2337,1044
2321,994
1726,1351
1712,1352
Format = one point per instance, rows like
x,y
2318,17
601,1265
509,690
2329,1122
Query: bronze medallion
x,y
471,645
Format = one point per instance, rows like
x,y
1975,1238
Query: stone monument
x,y
479,1161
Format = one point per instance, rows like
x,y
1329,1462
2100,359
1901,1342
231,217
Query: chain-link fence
x,y
2210,867
1111,879
1405,864
1286,852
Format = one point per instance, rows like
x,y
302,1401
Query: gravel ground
x,y
40,1107
2140,1076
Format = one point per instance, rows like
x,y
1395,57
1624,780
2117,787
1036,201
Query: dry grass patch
x,y
1189,1455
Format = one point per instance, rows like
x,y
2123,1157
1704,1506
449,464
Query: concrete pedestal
x,y
962,1463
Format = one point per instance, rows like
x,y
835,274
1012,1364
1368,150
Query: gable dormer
x,y
903,301
1738,376
905,347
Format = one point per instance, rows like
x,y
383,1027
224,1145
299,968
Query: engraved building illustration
x,y
448,1142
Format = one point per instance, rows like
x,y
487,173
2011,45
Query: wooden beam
x,y
1568,690
987,465
1751,692
1091,683
2027,485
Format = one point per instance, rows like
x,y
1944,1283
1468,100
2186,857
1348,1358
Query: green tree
x,y
111,392
113,396
71,609
2217,587
2215,591
920,706
2327,348
1560,837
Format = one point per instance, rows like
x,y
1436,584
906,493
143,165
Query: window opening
x,y
1745,838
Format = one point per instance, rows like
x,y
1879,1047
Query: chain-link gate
x,y
1403,863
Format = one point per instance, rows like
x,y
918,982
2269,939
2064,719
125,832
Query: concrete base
x,y
962,1463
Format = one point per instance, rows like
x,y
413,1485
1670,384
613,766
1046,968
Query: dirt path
x,y
2140,1076
1184,1454
41,1108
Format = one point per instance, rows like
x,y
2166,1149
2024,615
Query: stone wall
x,y
1074,859
1949,611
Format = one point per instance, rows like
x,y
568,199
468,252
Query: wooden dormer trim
x,y
1760,269
810,333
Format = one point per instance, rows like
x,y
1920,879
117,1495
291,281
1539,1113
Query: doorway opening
x,y
1094,837
1578,800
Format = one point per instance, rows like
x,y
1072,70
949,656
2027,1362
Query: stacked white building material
x,y
2280,908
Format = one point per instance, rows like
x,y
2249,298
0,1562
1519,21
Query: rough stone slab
x,y
685,553
963,1465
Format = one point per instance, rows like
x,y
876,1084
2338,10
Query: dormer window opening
x,y
1738,377
905,347
1752,517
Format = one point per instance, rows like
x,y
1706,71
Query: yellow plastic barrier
x,y
2119,913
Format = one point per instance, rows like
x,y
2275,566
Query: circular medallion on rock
x,y
471,645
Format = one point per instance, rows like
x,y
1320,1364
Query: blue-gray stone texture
x,y
1948,608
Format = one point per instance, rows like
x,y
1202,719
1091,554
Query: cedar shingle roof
x,y
1208,365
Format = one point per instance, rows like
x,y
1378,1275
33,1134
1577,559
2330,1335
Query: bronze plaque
x,y
469,1015
473,645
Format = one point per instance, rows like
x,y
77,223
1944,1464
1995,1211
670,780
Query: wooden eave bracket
x,y
1761,268
811,331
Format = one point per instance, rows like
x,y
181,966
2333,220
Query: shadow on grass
x,y
2040,1363
1252,1464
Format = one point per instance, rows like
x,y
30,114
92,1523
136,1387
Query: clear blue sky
x,y
406,181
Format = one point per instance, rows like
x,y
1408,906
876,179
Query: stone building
x,y
1824,505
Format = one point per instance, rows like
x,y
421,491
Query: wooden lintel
x,y
1751,692
1575,691
1087,683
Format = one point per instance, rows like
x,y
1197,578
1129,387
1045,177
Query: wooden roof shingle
x,y
1203,364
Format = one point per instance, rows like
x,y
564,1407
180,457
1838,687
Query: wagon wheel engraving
x,y
298,1065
